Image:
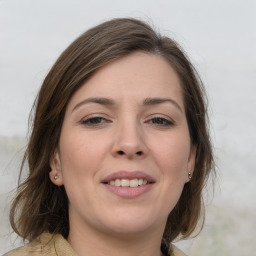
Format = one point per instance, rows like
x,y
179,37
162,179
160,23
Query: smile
x,y
128,184
132,183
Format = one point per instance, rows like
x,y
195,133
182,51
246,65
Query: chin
x,y
123,229
136,222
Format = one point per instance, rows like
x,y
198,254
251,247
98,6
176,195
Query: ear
x,y
56,173
191,163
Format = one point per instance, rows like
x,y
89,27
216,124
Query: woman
x,y
119,151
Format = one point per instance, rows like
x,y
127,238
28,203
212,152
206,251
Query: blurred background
x,y
220,38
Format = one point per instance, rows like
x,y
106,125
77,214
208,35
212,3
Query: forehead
x,y
133,77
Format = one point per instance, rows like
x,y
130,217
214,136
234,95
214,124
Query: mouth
x,y
128,184
132,183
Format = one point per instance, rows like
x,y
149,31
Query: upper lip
x,y
128,175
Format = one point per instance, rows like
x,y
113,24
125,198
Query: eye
x,y
160,121
94,121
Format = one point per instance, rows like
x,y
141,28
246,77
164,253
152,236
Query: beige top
x,y
55,245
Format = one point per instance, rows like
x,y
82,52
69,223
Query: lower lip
x,y
128,192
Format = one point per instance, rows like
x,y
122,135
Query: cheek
x,y
174,164
78,165
81,157
77,156
173,154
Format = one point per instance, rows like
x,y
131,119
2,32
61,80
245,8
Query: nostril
x,y
120,152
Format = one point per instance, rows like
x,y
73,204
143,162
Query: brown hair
x,y
40,205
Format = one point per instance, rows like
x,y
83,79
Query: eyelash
x,y
94,121
161,121
98,120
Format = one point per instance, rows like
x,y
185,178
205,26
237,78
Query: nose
x,y
130,142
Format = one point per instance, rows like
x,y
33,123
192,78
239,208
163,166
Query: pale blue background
x,y
220,38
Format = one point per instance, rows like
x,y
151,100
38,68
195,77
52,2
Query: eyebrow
x,y
98,100
110,102
155,101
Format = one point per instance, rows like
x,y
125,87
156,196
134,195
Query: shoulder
x,y
46,245
33,249
177,251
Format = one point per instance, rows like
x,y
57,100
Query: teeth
x,y
117,182
125,183
128,183
134,183
112,182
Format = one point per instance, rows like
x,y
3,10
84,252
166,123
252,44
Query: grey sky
x,y
219,36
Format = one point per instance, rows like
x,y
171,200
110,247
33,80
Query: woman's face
x,y
124,152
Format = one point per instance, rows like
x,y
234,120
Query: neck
x,y
97,243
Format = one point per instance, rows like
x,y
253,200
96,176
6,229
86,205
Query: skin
x,y
97,140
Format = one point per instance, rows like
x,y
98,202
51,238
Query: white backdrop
x,y
220,38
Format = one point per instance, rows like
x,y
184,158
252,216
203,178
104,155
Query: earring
x,y
56,177
189,176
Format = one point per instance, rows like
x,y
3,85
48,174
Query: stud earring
x,y
189,176
56,177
